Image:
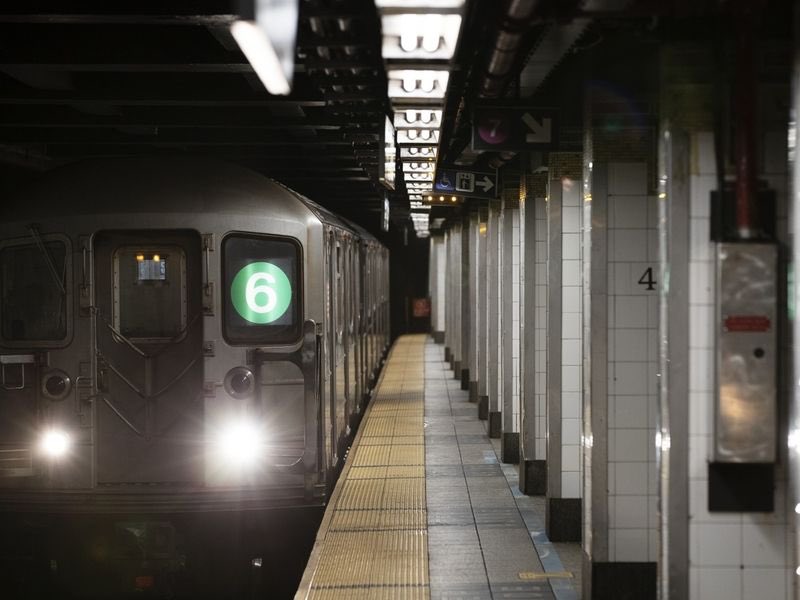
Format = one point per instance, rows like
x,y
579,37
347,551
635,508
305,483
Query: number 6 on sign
x,y
253,289
261,292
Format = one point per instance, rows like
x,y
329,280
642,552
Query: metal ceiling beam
x,y
78,67
138,18
60,116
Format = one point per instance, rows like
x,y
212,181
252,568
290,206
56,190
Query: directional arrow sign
x,y
513,128
465,183
485,184
539,131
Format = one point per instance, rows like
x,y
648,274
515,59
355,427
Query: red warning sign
x,y
747,323
422,307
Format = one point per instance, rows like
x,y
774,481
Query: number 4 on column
x,y
647,279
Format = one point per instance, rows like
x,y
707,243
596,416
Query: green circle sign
x,y
261,292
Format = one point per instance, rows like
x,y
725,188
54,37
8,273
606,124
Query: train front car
x,y
161,340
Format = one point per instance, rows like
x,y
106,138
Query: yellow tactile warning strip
x,y
373,541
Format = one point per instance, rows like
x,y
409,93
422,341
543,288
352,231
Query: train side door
x,y
331,345
149,340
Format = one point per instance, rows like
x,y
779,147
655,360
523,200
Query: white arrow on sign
x,y
540,132
485,184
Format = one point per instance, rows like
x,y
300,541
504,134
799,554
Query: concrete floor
x,y
486,539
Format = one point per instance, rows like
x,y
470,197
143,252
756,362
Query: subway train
x,y
182,342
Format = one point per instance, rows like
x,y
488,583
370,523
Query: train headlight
x,y
56,385
240,443
240,382
55,443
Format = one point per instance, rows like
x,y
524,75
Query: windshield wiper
x,y
37,238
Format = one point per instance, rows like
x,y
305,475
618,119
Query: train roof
x,y
159,185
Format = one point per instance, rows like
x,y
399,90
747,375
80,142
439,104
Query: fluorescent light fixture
x,y
267,39
418,118
418,176
418,136
419,4
419,167
415,84
418,152
420,36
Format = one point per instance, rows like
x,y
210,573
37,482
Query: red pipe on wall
x,y
744,114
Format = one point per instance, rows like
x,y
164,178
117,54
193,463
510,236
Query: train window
x,y
34,298
262,296
150,292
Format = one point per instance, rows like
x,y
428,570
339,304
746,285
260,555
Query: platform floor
x,y
425,509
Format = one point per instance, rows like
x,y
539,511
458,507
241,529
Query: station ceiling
x,y
95,78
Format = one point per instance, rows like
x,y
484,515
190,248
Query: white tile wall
x,y
540,324
733,556
632,364
571,336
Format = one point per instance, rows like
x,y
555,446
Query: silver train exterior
x,y
180,336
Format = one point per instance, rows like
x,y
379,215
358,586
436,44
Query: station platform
x,y
424,508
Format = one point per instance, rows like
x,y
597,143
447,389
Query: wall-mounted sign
x,y
261,292
513,128
466,183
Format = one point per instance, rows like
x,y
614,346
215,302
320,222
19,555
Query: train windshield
x,y
34,300
262,289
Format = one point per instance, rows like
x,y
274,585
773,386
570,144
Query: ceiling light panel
x,y
418,118
420,4
417,84
417,136
420,36
418,176
418,152
419,167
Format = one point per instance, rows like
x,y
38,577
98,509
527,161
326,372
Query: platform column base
x,y
509,448
438,337
563,519
495,424
465,379
533,477
620,580
473,391
483,407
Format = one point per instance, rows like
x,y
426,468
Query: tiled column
x,y
621,489
733,556
533,474
493,239
474,299
565,274
456,286
464,312
509,297
482,320
437,267
710,555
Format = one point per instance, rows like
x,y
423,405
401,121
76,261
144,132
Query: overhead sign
x,y
466,183
513,128
261,292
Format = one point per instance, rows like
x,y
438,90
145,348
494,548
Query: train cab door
x,y
149,344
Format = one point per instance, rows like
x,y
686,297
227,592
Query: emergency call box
x,y
747,361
